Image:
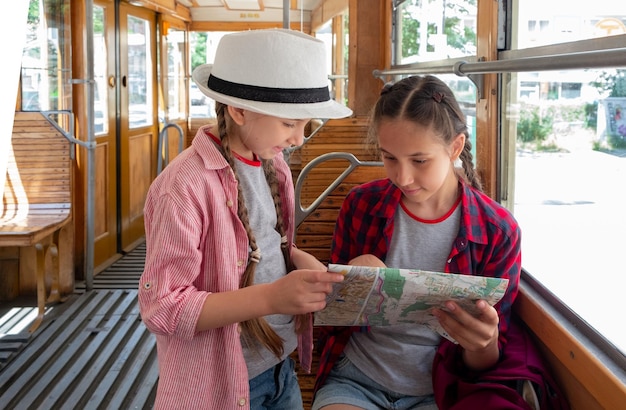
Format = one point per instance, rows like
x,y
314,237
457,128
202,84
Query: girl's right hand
x,y
301,291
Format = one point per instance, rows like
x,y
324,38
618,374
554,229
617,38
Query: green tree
x,y
33,13
532,125
410,35
613,82
456,38
198,56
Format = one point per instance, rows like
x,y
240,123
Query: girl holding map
x,y
428,214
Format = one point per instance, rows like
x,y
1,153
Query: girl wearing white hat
x,y
219,231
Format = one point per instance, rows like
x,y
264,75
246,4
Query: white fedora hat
x,y
277,72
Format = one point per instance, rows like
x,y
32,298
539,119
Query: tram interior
x,y
70,331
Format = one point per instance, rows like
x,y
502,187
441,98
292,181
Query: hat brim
x,y
327,110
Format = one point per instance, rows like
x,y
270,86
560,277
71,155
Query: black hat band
x,y
268,94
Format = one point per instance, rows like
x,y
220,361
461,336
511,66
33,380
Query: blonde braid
x,y
257,328
272,181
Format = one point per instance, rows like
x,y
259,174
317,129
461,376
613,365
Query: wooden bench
x,y
36,200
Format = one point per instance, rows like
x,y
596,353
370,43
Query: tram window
x,y
570,157
569,160
202,47
541,22
337,57
427,31
45,73
568,131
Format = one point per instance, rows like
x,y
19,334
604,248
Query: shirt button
x,y
241,402
229,203
239,262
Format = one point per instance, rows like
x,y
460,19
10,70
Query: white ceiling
x,y
306,5
243,4
248,10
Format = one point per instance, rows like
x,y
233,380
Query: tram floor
x,y
90,352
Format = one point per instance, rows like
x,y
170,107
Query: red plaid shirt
x,y
488,244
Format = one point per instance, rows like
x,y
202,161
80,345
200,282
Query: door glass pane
x,y
175,40
139,73
427,30
101,112
46,57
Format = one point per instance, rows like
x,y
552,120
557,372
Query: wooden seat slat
x,y
33,202
35,209
37,197
42,159
55,194
54,172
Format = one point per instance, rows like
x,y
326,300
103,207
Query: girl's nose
x,y
404,176
297,138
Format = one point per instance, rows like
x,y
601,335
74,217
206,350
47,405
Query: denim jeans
x,y
346,384
276,388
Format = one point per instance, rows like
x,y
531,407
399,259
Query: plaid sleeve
x,y
489,244
505,262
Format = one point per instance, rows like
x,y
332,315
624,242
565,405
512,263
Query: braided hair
x,y
257,328
428,101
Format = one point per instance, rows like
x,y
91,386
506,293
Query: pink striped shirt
x,y
196,245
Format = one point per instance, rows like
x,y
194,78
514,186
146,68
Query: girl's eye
x,y
289,125
419,161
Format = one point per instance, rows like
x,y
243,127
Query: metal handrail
x,y
578,60
475,70
301,212
90,145
164,137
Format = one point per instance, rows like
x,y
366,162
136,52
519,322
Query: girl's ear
x,y
236,114
458,144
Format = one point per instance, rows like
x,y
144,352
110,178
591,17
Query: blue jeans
x,y
346,384
276,388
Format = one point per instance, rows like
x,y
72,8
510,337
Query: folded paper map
x,y
387,296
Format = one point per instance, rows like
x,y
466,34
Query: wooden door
x,y
105,131
125,125
138,136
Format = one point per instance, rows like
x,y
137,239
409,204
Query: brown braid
x,y
257,328
272,180
467,159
